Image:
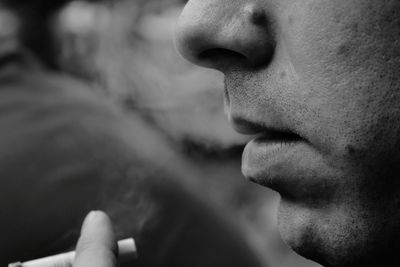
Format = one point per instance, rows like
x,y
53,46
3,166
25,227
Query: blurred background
x,y
125,50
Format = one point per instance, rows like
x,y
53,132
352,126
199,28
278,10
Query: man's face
x,y
318,80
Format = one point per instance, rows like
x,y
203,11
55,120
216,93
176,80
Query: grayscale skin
x,y
318,80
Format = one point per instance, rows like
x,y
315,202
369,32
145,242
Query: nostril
x,y
220,53
220,58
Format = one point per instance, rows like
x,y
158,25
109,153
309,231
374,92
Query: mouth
x,y
285,162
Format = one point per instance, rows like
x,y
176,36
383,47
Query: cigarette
x,y
126,252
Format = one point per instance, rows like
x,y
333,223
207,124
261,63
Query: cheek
x,y
346,70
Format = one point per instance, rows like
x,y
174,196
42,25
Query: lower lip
x,y
289,167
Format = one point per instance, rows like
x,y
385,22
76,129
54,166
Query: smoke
x,y
127,49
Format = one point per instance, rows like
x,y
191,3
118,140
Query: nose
x,y
224,33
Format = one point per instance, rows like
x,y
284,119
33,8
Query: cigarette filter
x,y
126,252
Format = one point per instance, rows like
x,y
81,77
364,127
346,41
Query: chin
x,y
336,236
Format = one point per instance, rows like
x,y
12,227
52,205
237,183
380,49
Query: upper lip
x,y
245,126
249,127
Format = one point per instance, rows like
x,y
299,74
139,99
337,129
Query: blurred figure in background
x,y
67,149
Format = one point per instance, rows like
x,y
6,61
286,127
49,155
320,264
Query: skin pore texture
x,y
326,71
